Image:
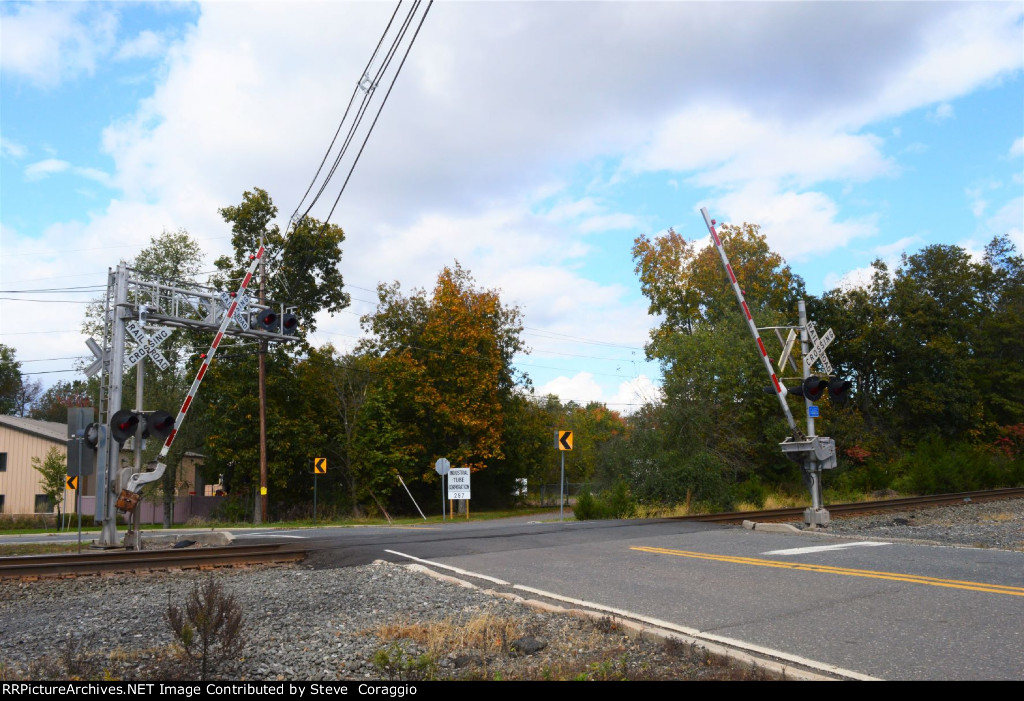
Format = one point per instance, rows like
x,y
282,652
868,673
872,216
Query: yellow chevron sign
x,y
563,440
320,466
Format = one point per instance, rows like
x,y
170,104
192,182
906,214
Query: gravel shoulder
x,y
390,622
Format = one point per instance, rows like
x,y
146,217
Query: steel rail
x,y
63,565
862,507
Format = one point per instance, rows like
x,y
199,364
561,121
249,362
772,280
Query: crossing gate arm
x,y
780,389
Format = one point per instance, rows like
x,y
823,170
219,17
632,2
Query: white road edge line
x,y
453,569
692,632
824,548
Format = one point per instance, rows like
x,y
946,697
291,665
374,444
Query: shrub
x,y
611,503
208,628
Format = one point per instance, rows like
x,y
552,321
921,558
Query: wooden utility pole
x,y
261,511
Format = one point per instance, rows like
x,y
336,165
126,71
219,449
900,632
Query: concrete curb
x,y
771,527
211,539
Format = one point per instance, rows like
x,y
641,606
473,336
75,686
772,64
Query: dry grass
x,y
1001,517
575,649
486,632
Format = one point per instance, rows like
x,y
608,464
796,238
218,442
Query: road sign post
x,y
319,468
442,467
563,443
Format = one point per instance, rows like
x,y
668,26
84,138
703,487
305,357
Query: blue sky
x,y
532,141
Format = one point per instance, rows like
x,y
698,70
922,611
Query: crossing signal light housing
x,y
268,320
839,389
814,387
125,423
289,324
158,424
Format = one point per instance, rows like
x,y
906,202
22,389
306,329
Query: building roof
x,y
55,431
44,429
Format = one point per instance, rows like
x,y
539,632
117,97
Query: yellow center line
x,y
826,569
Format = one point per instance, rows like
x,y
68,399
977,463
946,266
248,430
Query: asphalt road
x,y
895,611
889,611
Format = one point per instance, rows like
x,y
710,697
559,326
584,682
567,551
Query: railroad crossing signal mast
x,y
813,453
170,305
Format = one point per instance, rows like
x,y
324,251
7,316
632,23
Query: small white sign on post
x,y
458,483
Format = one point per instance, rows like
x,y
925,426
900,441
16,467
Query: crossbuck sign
x,y
818,346
147,345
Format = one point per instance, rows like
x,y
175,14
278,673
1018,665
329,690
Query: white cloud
x,y
796,224
941,113
1009,220
496,110
44,168
730,146
579,388
1017,149
631,393
892,251
48,43
850,280
11,148
147,44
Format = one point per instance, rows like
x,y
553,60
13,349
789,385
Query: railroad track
x,y
109,561
864,507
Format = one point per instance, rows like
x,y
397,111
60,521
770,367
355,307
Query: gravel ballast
x,y
376,621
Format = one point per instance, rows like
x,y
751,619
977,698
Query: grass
x,y
19,549
484,647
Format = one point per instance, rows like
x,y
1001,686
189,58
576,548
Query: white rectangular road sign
x,y
458,483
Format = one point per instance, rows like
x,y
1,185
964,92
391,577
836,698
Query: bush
x,y
750,491
936,467
611,503
208,628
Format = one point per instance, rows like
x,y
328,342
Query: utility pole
x,y
261,510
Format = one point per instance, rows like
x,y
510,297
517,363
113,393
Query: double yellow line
x,y
825,569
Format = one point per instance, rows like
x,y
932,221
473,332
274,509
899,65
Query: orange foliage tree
x,y
443,378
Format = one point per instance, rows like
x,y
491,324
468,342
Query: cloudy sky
x,y
530,141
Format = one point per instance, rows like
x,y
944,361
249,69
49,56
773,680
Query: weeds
x,y
208,628
395,664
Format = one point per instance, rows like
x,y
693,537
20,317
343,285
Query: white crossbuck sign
x,y
241,316
818,346
147,345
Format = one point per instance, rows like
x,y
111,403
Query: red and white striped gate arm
x,y
209,355
780,389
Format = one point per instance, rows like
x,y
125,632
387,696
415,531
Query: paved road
x,y
891,611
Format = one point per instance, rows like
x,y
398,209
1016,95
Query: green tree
x,y
54,404
301,271
10,380
716,422
53,469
